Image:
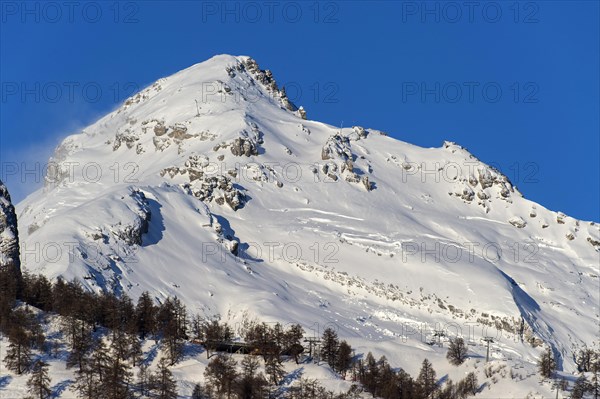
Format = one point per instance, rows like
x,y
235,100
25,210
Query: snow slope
x,y
211,186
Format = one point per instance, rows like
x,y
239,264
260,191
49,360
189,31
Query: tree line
x,y
104,335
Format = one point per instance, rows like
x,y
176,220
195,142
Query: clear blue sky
x,y
515,83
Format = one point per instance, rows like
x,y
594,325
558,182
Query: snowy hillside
x,y
211,186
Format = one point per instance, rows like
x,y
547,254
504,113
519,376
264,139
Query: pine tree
x,y
116,382
261,337
81,344
199,393
100,360
329,346
215,332
251,384
18,355
448,391
172,320
87,381
39,382
386,383
369,373
427,379
25,319
221,375
293,341
135,349
144,379
547,364
580,388
165,388
145,312
250,366
468,386
120,345
274,370
343,358
584,360
594,386
406,385
457,351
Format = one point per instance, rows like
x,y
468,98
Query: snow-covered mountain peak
x,y
210,182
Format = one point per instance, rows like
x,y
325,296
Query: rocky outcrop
x,y
594,242
126,137
248,143
337,147
216,188
132,232
9,236
207,186
484,184
243,146
518,222
265,77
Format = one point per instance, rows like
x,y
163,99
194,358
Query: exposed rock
x,y
126,137
243,146
9,238
218,188
351,177
337,146
179,132
595,243
132,233
518,222
160,129
467,194
265,77
482,195
532,214
560,218
365,181
485,178
302,113
358,133
161,143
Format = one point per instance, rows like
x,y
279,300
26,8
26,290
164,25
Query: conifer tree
x,y
39,382
293,341
165,386
427,379
343,358
145,318
329,346
87,381
18,355
115,383
547,364
274,370
221,375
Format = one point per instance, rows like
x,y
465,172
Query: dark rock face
x,y
9,235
